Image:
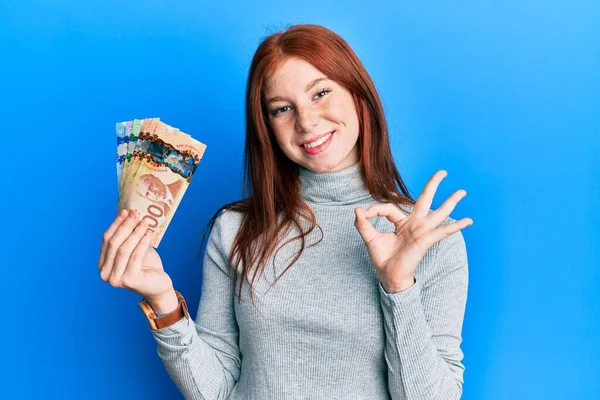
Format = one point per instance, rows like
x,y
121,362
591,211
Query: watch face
x,y
148,313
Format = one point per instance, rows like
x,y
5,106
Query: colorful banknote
x,y
155,164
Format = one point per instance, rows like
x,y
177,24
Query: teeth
x,y
317,142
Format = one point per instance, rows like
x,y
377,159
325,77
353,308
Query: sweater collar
x,y
343,186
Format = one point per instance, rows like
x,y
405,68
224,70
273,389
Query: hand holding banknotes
x,y
155,163
127,260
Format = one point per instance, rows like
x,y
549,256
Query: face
x,y
151,187
313,118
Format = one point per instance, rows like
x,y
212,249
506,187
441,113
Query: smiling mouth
x,y
318,142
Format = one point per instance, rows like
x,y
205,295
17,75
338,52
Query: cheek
x,y
342,110
334,110
284,132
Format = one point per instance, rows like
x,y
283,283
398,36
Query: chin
x,y
323,165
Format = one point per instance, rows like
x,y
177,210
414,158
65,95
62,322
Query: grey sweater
x,y
327,329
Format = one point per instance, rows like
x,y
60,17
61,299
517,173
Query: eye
x,y
280,110
322,93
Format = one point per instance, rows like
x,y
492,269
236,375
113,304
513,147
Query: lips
x,y
322,147
315,139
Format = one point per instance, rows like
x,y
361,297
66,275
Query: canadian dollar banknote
x,y
155,164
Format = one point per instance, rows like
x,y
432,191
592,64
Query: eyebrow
x,y
308,87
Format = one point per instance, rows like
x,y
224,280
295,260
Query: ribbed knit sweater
x,y
327,329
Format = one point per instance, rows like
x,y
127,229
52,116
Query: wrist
x,y
399,286
163,304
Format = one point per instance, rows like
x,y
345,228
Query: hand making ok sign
x,y
397,255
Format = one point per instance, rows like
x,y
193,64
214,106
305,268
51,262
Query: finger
x,y
364,227
124,253
108,235
121,234
437,217
423,204
134,268
447,230
388,210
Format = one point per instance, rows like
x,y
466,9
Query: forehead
x,y
291,76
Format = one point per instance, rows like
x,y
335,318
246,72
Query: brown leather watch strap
x,y
169,319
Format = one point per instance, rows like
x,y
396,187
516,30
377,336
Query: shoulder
x,y
229,219
226,227
221,236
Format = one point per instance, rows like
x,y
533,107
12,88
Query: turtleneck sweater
x,y
327,329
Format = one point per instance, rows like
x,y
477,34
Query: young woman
x,y
327,281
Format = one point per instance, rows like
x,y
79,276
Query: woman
x,y
372,301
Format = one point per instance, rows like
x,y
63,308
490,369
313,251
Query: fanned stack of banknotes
x,y
155,164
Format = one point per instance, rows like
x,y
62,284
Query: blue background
x,y
505,97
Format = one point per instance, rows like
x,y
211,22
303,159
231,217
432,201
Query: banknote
x,y
131,142
122,140
184,144
157,174
147,126
151,129
123,133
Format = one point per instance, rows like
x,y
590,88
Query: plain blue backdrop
x,y
503,95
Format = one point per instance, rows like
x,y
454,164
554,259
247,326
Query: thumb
x,y
364,227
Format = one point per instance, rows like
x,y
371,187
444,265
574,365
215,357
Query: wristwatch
x,y
159,322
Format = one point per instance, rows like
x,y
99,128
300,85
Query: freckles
x,y
283,129
334,109
285,125
341,106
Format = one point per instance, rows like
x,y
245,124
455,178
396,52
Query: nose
x,y
306,119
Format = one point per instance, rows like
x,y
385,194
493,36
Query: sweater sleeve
x,y
423,326
203,357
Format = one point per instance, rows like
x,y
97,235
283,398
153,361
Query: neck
x,y
343,186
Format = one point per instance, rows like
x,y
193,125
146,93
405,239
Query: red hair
x,y
271,182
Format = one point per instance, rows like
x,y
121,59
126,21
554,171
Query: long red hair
x,y
271,194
